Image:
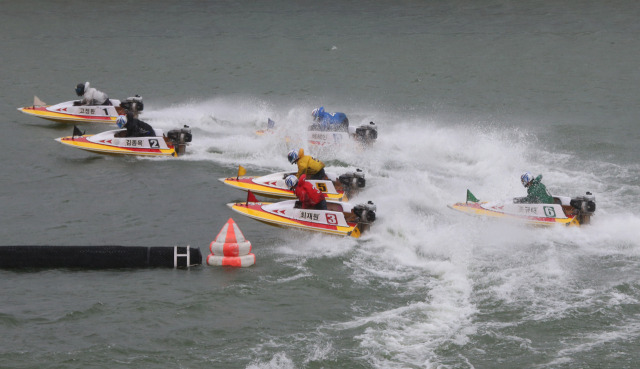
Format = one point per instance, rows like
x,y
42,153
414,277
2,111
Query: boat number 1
x,y
549,211
332,219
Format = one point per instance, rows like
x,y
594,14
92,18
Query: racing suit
x,y
331,122
310,166
309,196
92,96
537,193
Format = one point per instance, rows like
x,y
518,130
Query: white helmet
x,y
292,156
317,112
291,181
526,178
121,121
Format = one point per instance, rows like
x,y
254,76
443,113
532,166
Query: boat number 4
x,y
549,211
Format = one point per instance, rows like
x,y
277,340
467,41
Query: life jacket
x,y
306,192
307,164
537,192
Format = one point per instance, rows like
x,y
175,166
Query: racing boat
x,y
338,188
115,142
340,218
365,134
73,112
567,211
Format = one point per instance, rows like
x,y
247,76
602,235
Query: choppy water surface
x,y
466,95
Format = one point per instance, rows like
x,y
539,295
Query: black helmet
x,y
80,89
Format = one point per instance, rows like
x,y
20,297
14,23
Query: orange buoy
x,y
233,261
230,248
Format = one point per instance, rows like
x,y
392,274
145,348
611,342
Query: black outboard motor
x,y
585,207
367,133
179,138
133,104
352,181
366,214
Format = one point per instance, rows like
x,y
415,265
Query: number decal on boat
x,y
332,219
87,111
322,187
549,211
154,144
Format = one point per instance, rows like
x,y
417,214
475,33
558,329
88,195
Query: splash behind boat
x,y
115,142
340,218
73,112
336,187
565,210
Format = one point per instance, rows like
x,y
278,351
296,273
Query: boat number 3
x,y
549,211
332,219
322,187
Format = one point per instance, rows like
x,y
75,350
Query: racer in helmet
x,y
536,191
324,121
308,165
291,181
91,96
134,126
309,197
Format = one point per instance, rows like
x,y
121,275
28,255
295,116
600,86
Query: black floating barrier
x,y
99,257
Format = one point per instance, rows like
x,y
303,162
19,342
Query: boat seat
x,y
333,206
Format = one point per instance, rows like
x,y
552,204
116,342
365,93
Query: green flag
x,y
470,197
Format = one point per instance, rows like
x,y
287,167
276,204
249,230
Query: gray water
x,y
466,95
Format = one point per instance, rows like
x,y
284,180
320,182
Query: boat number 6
x,y
549,211
331,219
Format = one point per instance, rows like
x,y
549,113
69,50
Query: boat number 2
x,y
154,144
322,187
549,211
332,219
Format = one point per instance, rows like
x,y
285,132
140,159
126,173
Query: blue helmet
x,y
121,121
526,178
292,156
291,181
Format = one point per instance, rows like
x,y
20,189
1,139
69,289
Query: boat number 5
x,y
549,211
322,187
332,219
